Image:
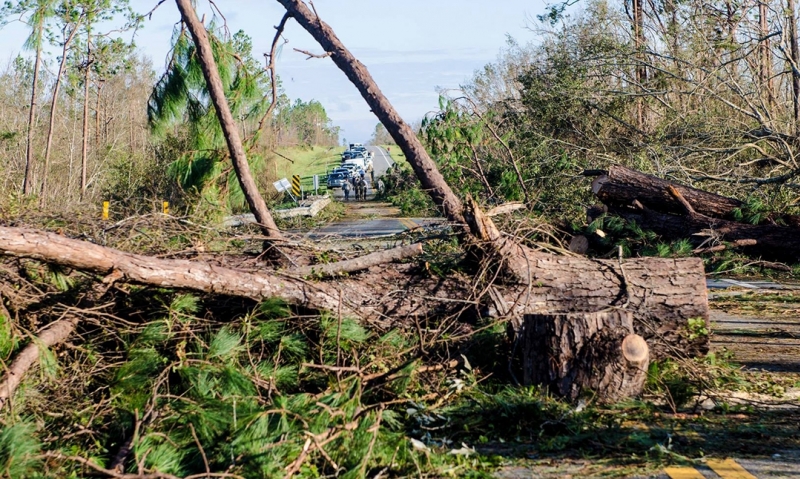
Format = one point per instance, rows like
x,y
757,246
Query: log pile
x,y
676,211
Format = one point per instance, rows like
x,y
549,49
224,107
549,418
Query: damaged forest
x,y
594,194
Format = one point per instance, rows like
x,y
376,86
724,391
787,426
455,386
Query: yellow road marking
x,y
729,469
683,473
408,223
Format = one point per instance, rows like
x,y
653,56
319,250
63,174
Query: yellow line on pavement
x,y
408,223
729,469
683,473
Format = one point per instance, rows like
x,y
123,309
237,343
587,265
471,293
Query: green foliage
x,y
404,191
8,340
180,98
19,450
667,377
696,327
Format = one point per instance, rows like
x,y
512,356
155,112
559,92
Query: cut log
x,y
585,353
621,187
662,293
768,241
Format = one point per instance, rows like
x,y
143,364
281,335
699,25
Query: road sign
x,y
296,185
282,185
316,183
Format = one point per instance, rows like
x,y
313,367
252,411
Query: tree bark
x,y
765,53
85,140
661,293
424,167
575,354
228,124
53,105
768,241
794,53
621,186
54,334
27,183
360,263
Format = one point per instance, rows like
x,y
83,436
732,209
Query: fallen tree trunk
x,y
662,293
767,241
55,333
620,187
429,175
682,290
575,353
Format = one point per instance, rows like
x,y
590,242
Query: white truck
x,y
360,162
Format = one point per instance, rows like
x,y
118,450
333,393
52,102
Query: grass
x,y
307,161
397,155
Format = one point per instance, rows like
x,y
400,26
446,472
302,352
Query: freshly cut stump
x,y
572,353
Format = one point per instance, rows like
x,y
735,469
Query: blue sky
x,y
411,47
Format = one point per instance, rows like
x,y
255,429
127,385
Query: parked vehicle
x,y
359,162
336,180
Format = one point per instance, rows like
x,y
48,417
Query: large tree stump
x,y
580,352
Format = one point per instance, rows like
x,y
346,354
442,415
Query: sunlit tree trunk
x,y
27,185
85,144
227,123
794,53
765,57
641,70
53,105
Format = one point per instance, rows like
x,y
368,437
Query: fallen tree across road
x,y
662,294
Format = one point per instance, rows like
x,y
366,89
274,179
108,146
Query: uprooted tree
x,y
508,280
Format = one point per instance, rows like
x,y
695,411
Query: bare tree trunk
x,y
765,55
100,83
424,167
53,105
85,143
794,52
228,124
27,184
641,70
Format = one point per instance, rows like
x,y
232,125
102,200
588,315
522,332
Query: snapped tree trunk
x,y
769,241
620,186
432,180
228,124
662,294
585,353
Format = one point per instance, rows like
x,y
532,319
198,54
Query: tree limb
x,y
362,262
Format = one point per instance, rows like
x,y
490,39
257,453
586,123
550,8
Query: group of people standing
x,y
358,184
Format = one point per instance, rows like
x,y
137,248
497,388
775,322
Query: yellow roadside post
x,y
105,210
165,206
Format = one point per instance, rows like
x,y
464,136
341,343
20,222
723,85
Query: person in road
x,y
346,189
